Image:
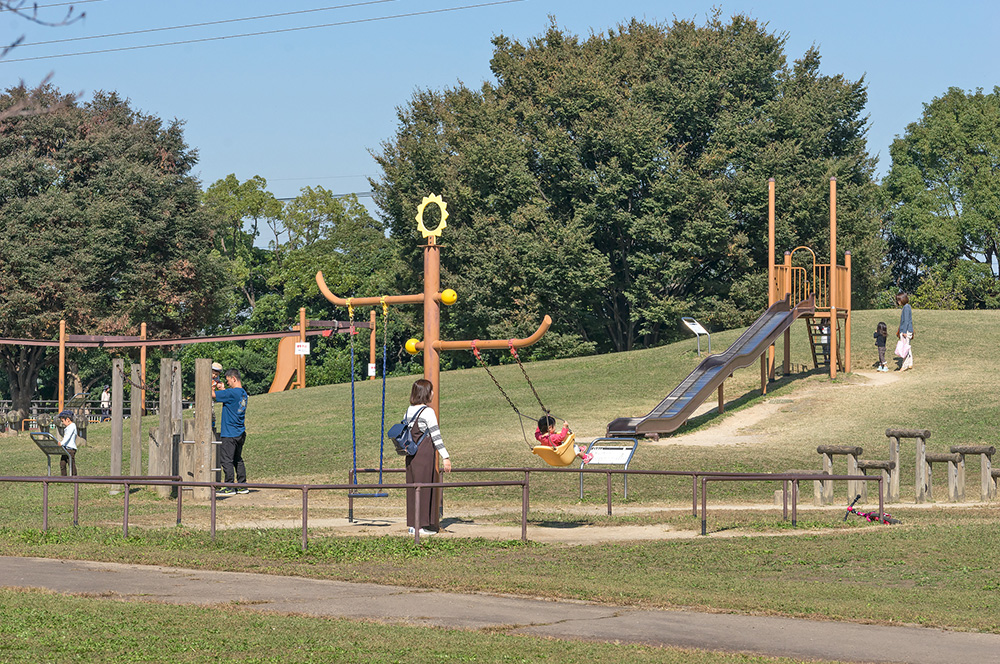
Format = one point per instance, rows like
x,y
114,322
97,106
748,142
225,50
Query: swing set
x,y
352,332
562,455
432,298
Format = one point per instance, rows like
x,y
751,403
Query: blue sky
x,y
305,107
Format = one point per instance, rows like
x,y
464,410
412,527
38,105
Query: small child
x,y
881,332
553,438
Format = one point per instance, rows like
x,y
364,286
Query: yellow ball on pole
x,y
411,346
449,297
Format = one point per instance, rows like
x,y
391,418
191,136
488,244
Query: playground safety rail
x,y
174,481
787,480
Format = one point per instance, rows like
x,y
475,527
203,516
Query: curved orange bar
x,y
492,343
367,301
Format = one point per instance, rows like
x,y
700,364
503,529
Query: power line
x,y
54,4
265,32
201,25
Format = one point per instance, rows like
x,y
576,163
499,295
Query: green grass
x,y
42,627
935,569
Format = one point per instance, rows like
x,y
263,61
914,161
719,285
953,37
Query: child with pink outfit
x,y
547,435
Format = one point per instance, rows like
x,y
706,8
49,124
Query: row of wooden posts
x,y
177,446
954,461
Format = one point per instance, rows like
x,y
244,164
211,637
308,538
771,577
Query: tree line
x,y
615,182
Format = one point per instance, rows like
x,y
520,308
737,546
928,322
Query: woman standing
x,y
420,467
905,328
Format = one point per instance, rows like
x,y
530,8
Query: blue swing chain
x,y
385,345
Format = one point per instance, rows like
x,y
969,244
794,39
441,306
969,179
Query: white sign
x,y
694,326
301,347
371,369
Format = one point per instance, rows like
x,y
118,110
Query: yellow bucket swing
x,y
565,453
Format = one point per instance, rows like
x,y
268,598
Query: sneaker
x,y
243,489
587,457
225,491
410,530
424,532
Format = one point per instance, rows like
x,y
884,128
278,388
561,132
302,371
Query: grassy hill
x,y
305,435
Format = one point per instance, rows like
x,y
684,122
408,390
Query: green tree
x,y
944,194
619,182
244,205
102,228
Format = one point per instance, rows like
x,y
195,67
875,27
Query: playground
x,y
792,414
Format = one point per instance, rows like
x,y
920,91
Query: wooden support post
x,y
135,425
371,348
847,322
164,435
117,414
920,474
722,399
987,487
827,484
763,373
176,419
142,370
204,437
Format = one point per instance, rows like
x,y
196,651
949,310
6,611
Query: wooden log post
x,y
117,416
920,478
987,486
852,453
135,424
887,468
204,436
952,469
164,436
817,485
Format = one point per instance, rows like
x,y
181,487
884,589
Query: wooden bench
x,y
852,452
888,469
952,460
987,484
920,481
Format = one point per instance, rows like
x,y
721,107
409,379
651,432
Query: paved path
x,y
803,639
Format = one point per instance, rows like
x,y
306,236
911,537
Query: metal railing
x,y
174,481
787,479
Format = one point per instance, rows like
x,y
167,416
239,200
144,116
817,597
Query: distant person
x,y
824,339
905,329
420,468
881,332
234,433
68,442
106,403
547,435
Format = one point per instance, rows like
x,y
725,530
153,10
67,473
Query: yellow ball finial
x,y
411,346
449,297
433,198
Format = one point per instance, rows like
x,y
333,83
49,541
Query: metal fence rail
x,y
175,481
695,476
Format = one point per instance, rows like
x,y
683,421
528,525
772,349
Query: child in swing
x,y
547,435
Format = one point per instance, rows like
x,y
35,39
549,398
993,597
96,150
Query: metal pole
x,y
62,363
524,508
125,516
76,503
45,505
704,503
305,517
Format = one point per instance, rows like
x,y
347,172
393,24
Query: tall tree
x,y
102,227
944,194
619,182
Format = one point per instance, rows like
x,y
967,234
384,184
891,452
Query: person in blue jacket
x,y
233,433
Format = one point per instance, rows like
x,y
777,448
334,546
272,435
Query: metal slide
x,y
680,404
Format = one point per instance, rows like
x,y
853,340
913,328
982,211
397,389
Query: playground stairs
x,y
817,328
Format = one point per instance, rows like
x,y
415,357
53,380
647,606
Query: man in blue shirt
x,y
234,433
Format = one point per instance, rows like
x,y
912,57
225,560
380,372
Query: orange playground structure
x,y
830,325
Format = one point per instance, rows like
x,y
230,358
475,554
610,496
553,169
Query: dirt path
x,y
733,429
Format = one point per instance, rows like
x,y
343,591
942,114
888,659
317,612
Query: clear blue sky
x,y
305,107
